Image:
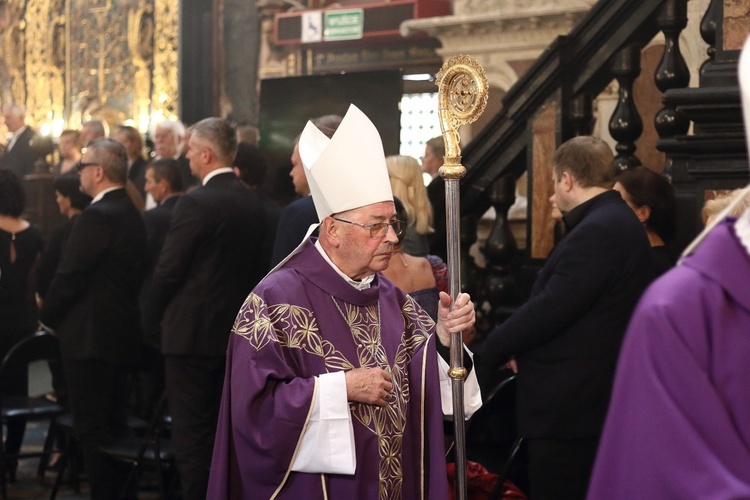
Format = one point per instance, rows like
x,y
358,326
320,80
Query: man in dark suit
x,y
251,167
163,182
297,217
210,262
92,304
18,156
566,338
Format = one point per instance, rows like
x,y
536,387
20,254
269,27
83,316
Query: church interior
x,y
655,79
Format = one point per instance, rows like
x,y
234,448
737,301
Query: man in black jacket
x,y
566,338
18,156
210,262
92,304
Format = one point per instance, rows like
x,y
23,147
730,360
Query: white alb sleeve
x,y
327,445
472,394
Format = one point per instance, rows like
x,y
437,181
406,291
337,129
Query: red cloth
x,y
480,483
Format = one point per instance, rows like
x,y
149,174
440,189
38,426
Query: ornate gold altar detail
x,y
69,61
165,59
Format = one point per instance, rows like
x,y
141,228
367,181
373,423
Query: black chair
x,y
492,438
71,459
40,346
152,450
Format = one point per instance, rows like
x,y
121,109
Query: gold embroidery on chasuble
x,y
295,327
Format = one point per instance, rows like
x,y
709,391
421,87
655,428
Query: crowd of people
x,y
303,350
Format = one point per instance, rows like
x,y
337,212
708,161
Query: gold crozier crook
x,y
462,97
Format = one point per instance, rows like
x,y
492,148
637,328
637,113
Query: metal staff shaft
x,y
462,97
457,371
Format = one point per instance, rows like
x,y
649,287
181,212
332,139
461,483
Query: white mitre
x,y
347,171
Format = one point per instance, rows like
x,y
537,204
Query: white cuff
x,y
327,445
472,394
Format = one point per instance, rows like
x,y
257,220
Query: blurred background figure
x,y
712,208
556,216
21,246
70,151
297,217
130,138
434,150
18,155
423,278
170,140
251,168
248,134
651,197
164,184
405,175
71,202
91,131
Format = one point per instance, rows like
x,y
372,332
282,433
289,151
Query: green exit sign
x,y
344,25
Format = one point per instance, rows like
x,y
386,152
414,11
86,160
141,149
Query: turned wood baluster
x,y
626,124
581,114
499,286
708,32
672,71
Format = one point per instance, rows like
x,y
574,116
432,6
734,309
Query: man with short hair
x,y
297,217
434,150
92,305
333,386
163,182
210,261
18,156
566,338
91,131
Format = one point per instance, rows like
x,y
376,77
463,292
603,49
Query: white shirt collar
x,y
214,173
363,284
101,194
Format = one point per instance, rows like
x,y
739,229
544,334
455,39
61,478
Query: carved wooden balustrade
x,y
552,102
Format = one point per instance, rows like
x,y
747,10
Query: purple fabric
x,y
679,422
277,349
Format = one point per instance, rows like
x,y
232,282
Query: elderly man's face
x,y
13,121
165,143
363,254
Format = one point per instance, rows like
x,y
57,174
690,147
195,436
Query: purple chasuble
x,y
304,320
679,421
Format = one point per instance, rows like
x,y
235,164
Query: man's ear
x,y
330,231
568,181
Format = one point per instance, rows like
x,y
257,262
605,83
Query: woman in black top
x,y
651,196
20,248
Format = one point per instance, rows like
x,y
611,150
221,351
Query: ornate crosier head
x,y
462,97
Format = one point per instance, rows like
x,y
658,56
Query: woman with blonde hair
x,y
407,185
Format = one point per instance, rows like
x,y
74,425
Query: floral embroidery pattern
x,y
295,327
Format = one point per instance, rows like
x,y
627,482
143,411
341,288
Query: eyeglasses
x,y
378,229
81,165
